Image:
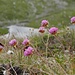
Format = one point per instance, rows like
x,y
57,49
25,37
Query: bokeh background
x,y
31,12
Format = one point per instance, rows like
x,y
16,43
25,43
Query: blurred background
x,y
31,12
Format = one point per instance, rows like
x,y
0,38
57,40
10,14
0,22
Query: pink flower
x,y
41,29
25,42
13,42
44,23
73,19
1,47
53,30
28,51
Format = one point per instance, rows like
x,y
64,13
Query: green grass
x,y
3,31
22,11
60,20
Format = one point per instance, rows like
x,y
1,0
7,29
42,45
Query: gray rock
x,y
20,32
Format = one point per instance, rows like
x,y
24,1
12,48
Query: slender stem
x,y
47,46
42,39
11,64
58,39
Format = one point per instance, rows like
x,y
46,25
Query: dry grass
x,y
60,59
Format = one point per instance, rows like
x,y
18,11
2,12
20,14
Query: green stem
x,y
47,46
11,64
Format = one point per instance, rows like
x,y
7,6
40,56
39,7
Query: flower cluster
x,y
73,19
52,30
28,49
13,43
26,42
44,24
42,29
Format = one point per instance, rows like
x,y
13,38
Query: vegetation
x,y
3,31
33,12
52,54
59,58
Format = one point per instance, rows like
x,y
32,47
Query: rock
x,y
20,32
72,27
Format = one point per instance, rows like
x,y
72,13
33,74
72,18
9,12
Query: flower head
x,y
44,23
28,51
10,52
4,72
1,47
13,42
26,42
41,29
73,19
53,30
